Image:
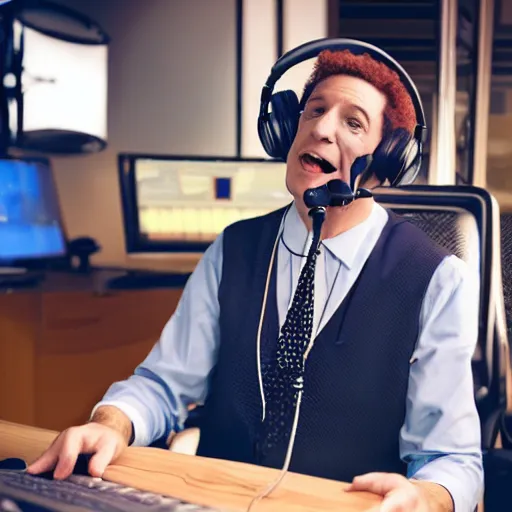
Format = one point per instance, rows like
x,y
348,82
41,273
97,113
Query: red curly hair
x,y
399,112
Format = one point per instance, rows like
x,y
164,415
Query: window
x,y
409,33
499,148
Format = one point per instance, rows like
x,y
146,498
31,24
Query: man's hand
x,y
403,495
105,437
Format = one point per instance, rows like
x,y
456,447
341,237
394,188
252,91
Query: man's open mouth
x,y
315,163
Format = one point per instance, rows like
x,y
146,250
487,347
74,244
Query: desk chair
x,y
465,220
506,265
506,270
467,216
498,461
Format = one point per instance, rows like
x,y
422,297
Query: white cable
x,y
273,485
291,442
262,315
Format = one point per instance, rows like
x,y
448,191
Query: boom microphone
x,y
333,193
338,192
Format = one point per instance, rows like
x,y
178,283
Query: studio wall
x,y
171,90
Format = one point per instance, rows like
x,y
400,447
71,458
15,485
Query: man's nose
x,y
325,127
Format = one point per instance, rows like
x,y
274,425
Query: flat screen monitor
x,y
181,204
30,222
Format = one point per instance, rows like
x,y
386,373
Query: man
x,y
388,394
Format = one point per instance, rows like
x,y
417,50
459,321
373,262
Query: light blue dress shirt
x,y
440,438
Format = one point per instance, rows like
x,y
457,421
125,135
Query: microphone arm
x,y
317,213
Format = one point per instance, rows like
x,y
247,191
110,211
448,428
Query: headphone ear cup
x,y
277,129
412,164
397,158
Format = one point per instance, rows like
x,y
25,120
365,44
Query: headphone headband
x,y
313,48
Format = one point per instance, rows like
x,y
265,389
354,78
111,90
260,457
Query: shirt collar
x,y
344,246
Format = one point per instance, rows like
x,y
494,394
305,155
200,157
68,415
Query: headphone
x,y
398,156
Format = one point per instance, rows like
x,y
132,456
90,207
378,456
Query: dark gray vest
x,y
356,374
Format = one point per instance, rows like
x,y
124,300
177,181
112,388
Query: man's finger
x,y
378,483
70,449
101,459
44,463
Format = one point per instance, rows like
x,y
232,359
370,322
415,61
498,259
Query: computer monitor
x,y
30,222
181,204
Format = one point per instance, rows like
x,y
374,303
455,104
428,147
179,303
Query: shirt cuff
x,y
140,435
463,481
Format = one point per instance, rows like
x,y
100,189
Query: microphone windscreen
x,y
319,196
339,187
340,193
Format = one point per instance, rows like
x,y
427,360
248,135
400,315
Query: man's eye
x,y
354,124
318,111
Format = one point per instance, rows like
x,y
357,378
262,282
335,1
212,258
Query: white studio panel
x,y
303,21
483,88
259,53
64,85
442,159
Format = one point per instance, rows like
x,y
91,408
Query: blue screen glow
x,y
30,224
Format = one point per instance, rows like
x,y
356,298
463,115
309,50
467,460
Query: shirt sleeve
x,y
175,373
440,438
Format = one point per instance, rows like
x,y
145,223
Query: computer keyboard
x,y
22,492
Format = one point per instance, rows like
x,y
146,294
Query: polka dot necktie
x,y
283,380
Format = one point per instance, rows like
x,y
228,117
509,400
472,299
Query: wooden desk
x,y
199,480
65,341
